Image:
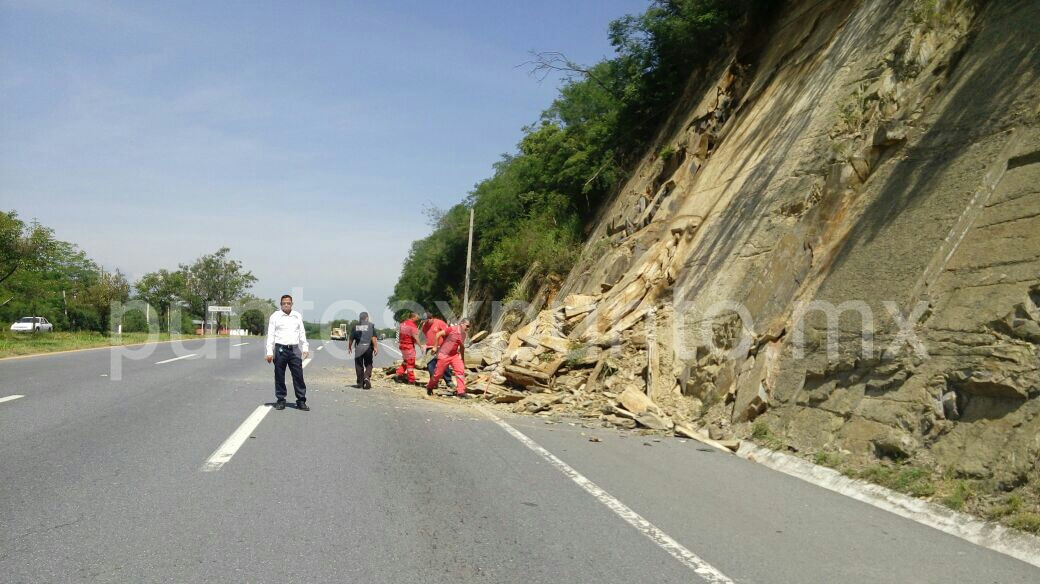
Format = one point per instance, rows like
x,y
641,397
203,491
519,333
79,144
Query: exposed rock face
x,y
873,161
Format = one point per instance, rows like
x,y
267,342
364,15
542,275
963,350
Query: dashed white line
x,y
239,345
10,398
321,347
306,361
174,359
675,549
230,446
391,348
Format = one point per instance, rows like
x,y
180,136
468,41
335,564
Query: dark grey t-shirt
x,y
362,334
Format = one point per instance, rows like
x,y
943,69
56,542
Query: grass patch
x,y
912,480
763,434
961,495
828,459
1011,505
1025,521
14,345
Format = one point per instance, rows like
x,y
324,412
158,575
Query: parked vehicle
x,y
339,333
30,324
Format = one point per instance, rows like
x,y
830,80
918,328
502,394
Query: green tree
x,y
104,289
160,290
214,278
255,312
23,246
532,213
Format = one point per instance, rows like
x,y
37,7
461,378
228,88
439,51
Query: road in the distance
x,y
104,481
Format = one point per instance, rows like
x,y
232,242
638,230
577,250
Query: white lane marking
x,y
174,359
391,348
306,361
675,549
225,451
10,398
321,347
239,345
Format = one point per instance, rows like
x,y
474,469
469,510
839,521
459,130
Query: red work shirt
x,y
452,342
409,334
430,328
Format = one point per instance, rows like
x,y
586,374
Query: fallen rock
x,y
637,402
524,377
551,367
522,355
558,344
618,421
654,421
504,398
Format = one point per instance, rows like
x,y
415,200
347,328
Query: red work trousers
x,y
408,367
456,364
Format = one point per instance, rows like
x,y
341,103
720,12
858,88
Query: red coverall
x,y
409,335
430,328
449,355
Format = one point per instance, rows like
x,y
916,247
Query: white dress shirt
x,y
286,329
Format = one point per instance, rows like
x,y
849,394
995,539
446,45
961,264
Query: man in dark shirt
x,y
362,336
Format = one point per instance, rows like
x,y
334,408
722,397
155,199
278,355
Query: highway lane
x,y
103,482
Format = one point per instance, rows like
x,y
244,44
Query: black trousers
x,y
283,356
363,365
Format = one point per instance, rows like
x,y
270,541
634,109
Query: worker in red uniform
x,y
435,329
408,337
450,355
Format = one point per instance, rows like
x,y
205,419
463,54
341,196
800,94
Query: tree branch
x,y
546,62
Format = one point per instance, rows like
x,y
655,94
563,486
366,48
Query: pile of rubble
x,y
542,369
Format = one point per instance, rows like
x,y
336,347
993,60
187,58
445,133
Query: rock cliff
x,y
835,248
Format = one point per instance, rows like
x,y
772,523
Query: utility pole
x,y
469,254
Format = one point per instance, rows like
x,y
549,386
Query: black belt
x,y
286,346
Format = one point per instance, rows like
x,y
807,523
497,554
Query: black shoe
x,y
462,395
279,405
368,385
303,406
429,391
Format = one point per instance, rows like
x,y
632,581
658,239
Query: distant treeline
x,y
533,212
43,276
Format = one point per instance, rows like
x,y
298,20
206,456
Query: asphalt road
x,y
114,480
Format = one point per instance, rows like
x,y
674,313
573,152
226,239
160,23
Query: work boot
x,y
368,385
302,405
279,405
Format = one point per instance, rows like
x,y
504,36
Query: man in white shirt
x,y
286,341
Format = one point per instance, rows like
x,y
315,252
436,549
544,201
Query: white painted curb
x,y
994,536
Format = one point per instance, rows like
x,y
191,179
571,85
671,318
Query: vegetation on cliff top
x,y
533,211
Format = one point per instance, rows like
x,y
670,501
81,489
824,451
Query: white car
x,y
28,324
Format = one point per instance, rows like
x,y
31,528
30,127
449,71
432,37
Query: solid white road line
x,y
239,345
230,446
10,398
174,359
391,348
306,361
703,569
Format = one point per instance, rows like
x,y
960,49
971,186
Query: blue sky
x,y
306,136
